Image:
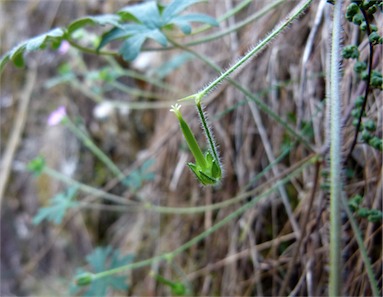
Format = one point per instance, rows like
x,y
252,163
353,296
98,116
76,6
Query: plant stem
x,y
358,236
209,136
248,94
87,189
283,25
94,149
335,154
170,255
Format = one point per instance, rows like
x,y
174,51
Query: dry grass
x,y
264,251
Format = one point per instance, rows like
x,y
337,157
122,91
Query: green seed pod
x,y
207,168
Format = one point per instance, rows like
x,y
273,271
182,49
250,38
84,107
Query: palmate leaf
x,y
102,259
142,174
150,19
16,55
176,7
58,207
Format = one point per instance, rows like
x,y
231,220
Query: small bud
x,y
374,38
359,101
36,165
358,19
370,125
366,136
84,279
360,66
350,52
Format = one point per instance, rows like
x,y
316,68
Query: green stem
x,y
209,136
294,15
85,188
94,149
335,154
222,33
90,50
248,94
358,236
227,15
170,255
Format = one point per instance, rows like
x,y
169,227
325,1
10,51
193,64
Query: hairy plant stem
x,y
335,154
260,46
249,95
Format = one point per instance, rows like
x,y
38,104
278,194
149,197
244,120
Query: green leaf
x,y
176,7
174,63
132,46
58,207
150,19
183,21
123,31
16,55
146,13
106,19
135,179
102,259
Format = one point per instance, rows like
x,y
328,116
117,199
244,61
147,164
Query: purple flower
x,y
57,116
64,47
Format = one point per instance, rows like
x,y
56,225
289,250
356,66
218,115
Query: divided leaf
x,y
150,19
58,207
102,259
146,20
16,55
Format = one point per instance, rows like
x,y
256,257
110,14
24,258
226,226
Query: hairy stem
x,y
335,154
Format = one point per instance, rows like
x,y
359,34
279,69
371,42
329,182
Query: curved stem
x,y
90,50
94,149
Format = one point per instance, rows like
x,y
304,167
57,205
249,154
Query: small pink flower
x,y
57,116
64,47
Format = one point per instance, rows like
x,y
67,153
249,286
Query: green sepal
x,y
209,175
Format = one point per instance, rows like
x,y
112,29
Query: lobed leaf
x,y
175,7
16,55
58,207
146,13
102,259
106,19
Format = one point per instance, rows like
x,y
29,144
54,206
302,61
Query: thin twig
x,y
17,131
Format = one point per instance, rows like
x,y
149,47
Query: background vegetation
x,y
264,230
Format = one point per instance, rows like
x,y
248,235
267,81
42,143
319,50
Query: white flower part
x,y
103,110
57,116
175,108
